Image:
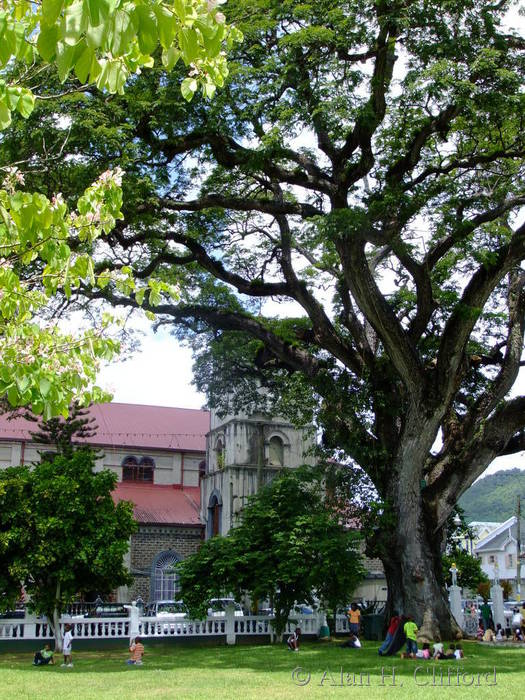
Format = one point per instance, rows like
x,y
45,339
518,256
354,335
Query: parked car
x,y
167,608
217,607
107,610
17,614
266,611
302,609
508,609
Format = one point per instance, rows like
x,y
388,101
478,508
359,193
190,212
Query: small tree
x,y
484,590
289,544
62,534
63,433
507,588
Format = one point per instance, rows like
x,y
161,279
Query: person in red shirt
x,y
395,621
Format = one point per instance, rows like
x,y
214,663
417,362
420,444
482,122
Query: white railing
x,y
342,625
149,627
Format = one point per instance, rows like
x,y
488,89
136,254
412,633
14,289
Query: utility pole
x,y
518,554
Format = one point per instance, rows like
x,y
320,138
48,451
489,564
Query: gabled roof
x,y
491,539
132,425
160,505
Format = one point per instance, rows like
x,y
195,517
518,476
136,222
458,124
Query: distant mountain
x,y
493,498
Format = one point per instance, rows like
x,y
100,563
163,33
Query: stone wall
x,y
149,542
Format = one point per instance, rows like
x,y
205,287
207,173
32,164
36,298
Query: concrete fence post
x,y
230,624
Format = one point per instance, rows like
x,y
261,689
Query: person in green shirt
x,y
410,630
486,613
44,656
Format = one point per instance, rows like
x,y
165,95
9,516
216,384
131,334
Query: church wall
x,y
150,541
168,465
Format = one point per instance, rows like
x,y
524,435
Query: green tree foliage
x,y
493,498
60,533
288,545
106,41
483,590
102,42
364,163
508,590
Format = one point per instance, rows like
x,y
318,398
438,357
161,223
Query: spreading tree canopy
x,y
363,165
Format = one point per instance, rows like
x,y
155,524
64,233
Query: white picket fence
x,y
30,628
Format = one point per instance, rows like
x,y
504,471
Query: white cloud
x,y
159,374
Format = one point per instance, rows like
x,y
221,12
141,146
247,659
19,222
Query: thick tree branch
x,y
465,163
324,332
501,434
467,227
438,124
510,365
190,315
463,319
374,306
274,207
373,113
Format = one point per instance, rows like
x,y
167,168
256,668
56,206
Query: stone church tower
x,y
244,452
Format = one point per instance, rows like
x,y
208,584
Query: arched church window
x,y
165,578
276,452
219,453
133,470
214,514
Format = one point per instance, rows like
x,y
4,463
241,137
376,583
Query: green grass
x,y
259,672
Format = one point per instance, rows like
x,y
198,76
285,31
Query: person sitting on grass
x,y
424,653
137,652
437,650
410,629
450,653
44,656
489,635
352,642
458,654
517,636
500,634
293,640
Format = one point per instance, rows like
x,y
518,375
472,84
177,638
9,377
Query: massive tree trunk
x,y
411,550
412,563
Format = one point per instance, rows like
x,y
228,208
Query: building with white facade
x,y
497,551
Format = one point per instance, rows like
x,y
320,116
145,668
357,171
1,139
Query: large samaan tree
x,y
364,162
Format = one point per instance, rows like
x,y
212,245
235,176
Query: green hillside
x,y
493,498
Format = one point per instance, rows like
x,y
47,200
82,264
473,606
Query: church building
x,y
188,474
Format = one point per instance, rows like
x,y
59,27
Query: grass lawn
x,y
259,672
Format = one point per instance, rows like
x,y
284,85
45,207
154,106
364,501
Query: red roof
x,y
161,505
132,425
